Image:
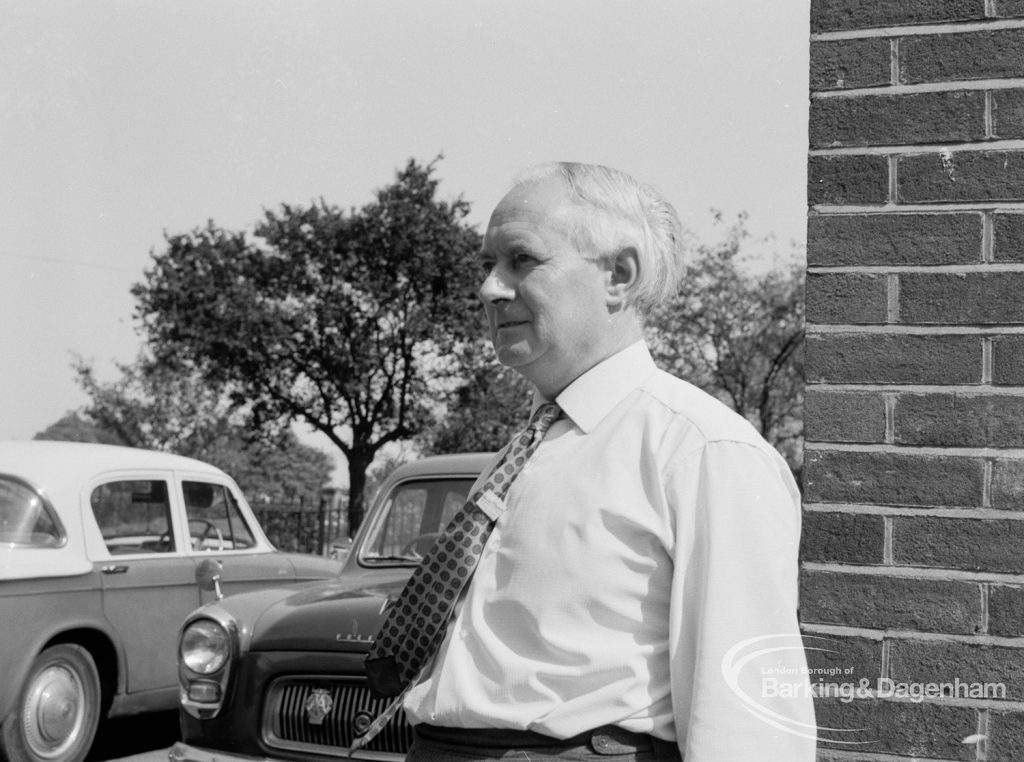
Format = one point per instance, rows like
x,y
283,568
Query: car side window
x,y
134,516
25,518
412,517
215,521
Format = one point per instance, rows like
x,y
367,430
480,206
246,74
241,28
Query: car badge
x,y
354,636
318,706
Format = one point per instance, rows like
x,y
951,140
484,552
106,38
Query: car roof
x,y
38,460
460,464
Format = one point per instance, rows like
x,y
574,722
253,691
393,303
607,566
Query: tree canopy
x,y
166,408
344,321
736,330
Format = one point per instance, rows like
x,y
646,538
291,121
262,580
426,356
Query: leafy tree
x,y
342,320
156,406
736,330
485,410
73,427
170,409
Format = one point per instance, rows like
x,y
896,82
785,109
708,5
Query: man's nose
x,y
496,286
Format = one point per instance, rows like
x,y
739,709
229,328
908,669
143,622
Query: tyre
x,y
55,716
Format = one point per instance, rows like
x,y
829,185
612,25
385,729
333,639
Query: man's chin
x,y
513,356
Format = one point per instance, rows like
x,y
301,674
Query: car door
x,y
219,529
149,583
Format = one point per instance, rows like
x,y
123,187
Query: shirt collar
x,y
589,398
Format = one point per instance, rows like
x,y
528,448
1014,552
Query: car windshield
x,y
25,518
410,520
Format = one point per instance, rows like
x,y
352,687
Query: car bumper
x,y
183,752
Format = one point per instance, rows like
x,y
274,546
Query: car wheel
x,y
58,709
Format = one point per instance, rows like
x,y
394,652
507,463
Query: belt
x,y
607,739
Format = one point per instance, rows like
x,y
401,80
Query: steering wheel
x,y
209,530
420,545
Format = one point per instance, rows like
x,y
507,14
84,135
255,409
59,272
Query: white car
x,y
102,551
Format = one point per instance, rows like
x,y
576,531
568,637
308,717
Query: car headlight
x,y
205,647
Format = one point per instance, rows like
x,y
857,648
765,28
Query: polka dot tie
x,y
416,623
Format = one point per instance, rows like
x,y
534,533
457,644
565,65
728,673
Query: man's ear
x,y
622,275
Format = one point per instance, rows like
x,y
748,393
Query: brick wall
x,y
913,549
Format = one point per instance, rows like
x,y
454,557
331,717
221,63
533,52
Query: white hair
x,y
621,212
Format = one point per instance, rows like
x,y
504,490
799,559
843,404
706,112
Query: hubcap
x,y
53,711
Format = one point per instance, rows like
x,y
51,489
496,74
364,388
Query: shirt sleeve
x,y
740,687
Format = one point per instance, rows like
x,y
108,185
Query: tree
x,y
170,409
736,330
340,320
73,427
156,406
487,408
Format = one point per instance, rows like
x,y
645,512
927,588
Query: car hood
x,y
334,616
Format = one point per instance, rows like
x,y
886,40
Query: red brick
x,y
1006,611
890,478
846,298
1008,484
940,663
1008,360
873,120
847,179
842,538
881,602
839,658
962,298
893,358
956,57
841,64
1005,737
961,176
966,544
917,730
844,416
1008,237
1008,114
843,15
899,239
959,420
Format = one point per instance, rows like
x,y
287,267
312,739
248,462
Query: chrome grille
x,y
288,726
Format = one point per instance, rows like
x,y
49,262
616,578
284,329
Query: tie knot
x,y
543,417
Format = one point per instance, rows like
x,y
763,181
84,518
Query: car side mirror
x,y
208,576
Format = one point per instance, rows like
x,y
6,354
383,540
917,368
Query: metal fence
x,y
306,528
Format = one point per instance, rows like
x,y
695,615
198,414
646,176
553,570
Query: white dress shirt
x,y
647,549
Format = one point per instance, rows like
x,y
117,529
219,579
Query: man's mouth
x,y
510,323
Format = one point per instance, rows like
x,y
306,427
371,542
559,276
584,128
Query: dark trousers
x,y
439,744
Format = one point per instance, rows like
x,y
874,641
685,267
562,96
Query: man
x,y
639,583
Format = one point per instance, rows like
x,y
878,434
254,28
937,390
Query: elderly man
x,y
633,591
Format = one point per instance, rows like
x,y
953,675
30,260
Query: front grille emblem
x,y
318,706
361,722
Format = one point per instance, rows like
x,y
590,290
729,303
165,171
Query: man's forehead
x,y
536,207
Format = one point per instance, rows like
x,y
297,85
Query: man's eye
x,y
485,265
523,259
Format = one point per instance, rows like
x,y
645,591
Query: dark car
x,y
278,674
101,548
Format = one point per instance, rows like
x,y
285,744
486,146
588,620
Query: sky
x,y
125,120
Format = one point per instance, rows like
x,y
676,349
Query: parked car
x,y
278,674
102,550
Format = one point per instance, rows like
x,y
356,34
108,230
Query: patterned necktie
x,y
416,623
